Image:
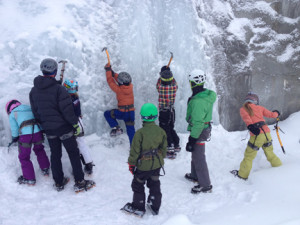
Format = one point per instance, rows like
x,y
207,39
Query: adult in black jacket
x,y
53,109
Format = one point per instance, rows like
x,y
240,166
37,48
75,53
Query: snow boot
x,y
22,180
116,131
198,189
177,148
60,187
171,154
88,168
130,209
84,185
152,210
189,177
236,174
45,172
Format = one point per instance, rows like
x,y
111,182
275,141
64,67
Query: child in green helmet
x,y
148,149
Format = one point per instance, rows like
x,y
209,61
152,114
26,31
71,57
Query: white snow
x,y
139,36
270,196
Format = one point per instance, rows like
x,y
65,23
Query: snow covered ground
x,y
270,196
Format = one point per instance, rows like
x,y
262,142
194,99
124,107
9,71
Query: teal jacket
x,y
17,116
199,111
149,137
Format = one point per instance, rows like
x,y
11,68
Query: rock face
x,y
255,49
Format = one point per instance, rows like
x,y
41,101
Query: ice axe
x,y
277,128
170,59
105,49
62,70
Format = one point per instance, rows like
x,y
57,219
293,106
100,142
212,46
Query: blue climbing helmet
x,y
71,86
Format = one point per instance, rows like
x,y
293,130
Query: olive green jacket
x,y
149,137
199,111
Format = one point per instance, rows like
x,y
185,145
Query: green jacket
x,y
149,137
199,111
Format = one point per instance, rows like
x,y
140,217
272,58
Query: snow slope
x,y
269,197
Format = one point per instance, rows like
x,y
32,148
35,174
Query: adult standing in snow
x,y
53,109
167,87
146,158
26,131
253,115
199,116
122,86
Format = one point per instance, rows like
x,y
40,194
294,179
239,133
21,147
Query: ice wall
x,y
138,34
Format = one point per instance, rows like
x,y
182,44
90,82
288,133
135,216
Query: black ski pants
x,y
151,178
71,147
166,121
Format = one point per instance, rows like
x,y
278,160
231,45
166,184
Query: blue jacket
x,y
17,116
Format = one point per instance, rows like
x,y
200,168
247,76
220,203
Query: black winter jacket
x,y
52,106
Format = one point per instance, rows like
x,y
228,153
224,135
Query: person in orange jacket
x,y
253,115
122,86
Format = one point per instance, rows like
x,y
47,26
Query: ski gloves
x,y
14,139
190,145
77,129
107,67
254,130
132,168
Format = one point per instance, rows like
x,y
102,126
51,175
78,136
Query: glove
x,y
77,129
190,145
277,112
132,168
14,139
254,130
107,67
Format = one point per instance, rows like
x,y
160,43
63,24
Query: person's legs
x,y
271,156
56,154
71,147
26,164
39,150
155,195
111,117
129,122
174,135
164,122
200,165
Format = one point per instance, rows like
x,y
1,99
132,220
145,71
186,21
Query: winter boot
x,y
189,177
171,154
130,209
116,131
84,185
198,189
60,187
45,172
152,210
23,180
177,148
88,168
236,174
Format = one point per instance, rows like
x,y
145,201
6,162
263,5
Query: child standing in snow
x,y
85,156
253,115
122,86
26,131
146,158
167,87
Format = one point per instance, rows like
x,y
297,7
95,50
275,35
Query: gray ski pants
x,y
199,167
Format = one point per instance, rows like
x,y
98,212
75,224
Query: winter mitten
x,y
132,168
277,112
254,130
76,129
190,145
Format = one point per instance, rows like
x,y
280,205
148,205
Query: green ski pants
x,y
250,154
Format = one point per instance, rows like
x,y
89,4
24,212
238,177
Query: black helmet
x,y
124,78
166,75
48,66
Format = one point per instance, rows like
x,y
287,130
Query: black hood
x,y
43,82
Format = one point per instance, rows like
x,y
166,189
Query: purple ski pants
x,y
24,154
